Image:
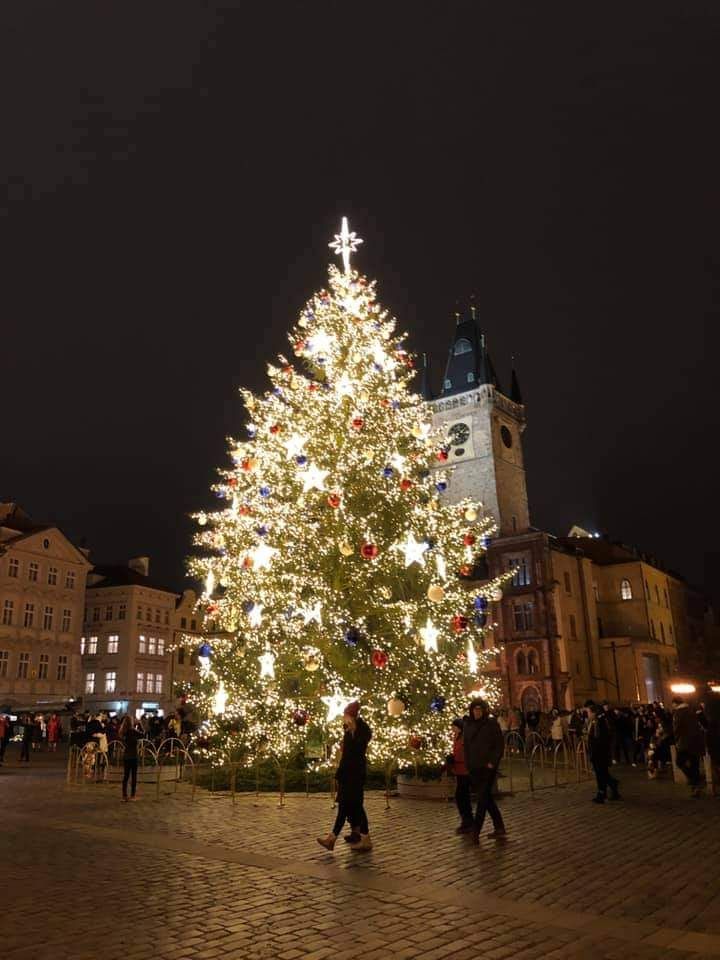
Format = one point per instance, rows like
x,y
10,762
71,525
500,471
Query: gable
x,y
49,543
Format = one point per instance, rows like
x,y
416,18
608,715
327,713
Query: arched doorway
x,y
530,699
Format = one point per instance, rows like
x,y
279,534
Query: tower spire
x,y
515,393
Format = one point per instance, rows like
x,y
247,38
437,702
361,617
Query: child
x,y
456,764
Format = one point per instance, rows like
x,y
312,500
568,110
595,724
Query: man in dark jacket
x,y
689,743
484,746
599,740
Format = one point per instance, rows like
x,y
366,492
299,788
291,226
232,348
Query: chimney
x,y
140,565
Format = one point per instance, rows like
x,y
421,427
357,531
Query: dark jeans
x,y
639,751
350,808
129,773
689,763
462,798
25,750
604,778
483,781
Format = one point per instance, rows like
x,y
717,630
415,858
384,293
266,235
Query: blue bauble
x,y
395,404
387,471
481,603
441,487
485,541
480,619
377,366
264,491
352,636
205,650
277,391
251,429
249,606
437,704
301,460
262,531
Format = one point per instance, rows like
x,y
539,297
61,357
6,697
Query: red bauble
x,y
357,423
244,510
469,539
300,718
248,463
415,742
465,570
379,659
233,481
247,562
275,428
442,455
459,623
300,346
288,370
368,551
212,608
313,386
385,402
405,484
334,500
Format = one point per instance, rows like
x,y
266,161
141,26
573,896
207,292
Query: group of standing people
x,y
38,732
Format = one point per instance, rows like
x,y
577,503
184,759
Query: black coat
x,y
599,740
484,743
352,768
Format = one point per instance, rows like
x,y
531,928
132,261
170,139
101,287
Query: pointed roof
x,y
515,394
469,364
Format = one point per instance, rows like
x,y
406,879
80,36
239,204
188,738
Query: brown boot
x,y
364,843
328,842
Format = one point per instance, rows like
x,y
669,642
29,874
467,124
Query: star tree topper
x,y
345,243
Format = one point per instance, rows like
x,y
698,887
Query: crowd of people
x,y
38,731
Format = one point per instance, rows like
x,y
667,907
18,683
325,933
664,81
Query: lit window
x,y
89,683
523,616
626,590
48,618
4,660
7,614
52,576
62,666
151,647
29,618
23,666
122,611
142,644
92,645
82,646
96,614
70,580
462,346
521,572
110,680
140,683
33,570
113,643
573,627
160,646
43,666
149,683
568,585
158,682
13,567
109,612
66,620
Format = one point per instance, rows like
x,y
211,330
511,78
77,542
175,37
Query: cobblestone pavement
x,y
88,877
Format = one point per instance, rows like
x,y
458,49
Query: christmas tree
x,y
335,570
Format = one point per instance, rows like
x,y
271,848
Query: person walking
x,y
600,752
350,776
484,746
53,732
456,763
129,735
689,743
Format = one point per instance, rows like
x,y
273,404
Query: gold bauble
x,y
435,593
347,549
471,514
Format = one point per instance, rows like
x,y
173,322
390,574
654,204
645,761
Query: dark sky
x,y
174,172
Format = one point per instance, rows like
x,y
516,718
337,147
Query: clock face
x,y
459,434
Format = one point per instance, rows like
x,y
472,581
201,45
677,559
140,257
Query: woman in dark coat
x,y
350,777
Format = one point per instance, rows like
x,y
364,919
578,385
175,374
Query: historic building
x,y
580,617
42,589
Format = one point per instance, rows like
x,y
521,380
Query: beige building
x,y
42,590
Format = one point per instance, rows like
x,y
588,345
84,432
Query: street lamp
x,y
683,688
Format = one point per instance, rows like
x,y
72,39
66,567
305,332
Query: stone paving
x,y
88,877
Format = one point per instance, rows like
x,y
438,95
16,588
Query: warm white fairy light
x,y
255,615
345,243
295,444
335,704
220,699
429,635
413,550
209,584
267,663
314,478
310,614
472,657
262,556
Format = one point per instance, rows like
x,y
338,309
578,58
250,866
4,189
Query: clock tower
x,y
485,428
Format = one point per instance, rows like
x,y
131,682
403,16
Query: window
x,y
521,663
13,567
140,683
181,654
33,571
110,681
62,665
193,625
667,602
96,614
48,618
109,612
166,618
91,645
158,682
66,620
140,613
113,643
82,646
523,614
85,615
462,346
183,623
52,576
521,572
657,595
149,683
43,666
29,618
70,580
89,683
151,646
160,646
662,632
533,665
142,644
157,616
573,627
122,611
7,614
4,658
568,585
625,590
23,666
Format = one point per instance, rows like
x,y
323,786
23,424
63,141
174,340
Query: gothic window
x,y
462,346
626,590
521,571
521,663
523,616
533,665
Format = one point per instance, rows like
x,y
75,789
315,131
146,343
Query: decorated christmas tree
x,y
335,570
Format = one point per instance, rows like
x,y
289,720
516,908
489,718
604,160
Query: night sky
x,y
173,173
